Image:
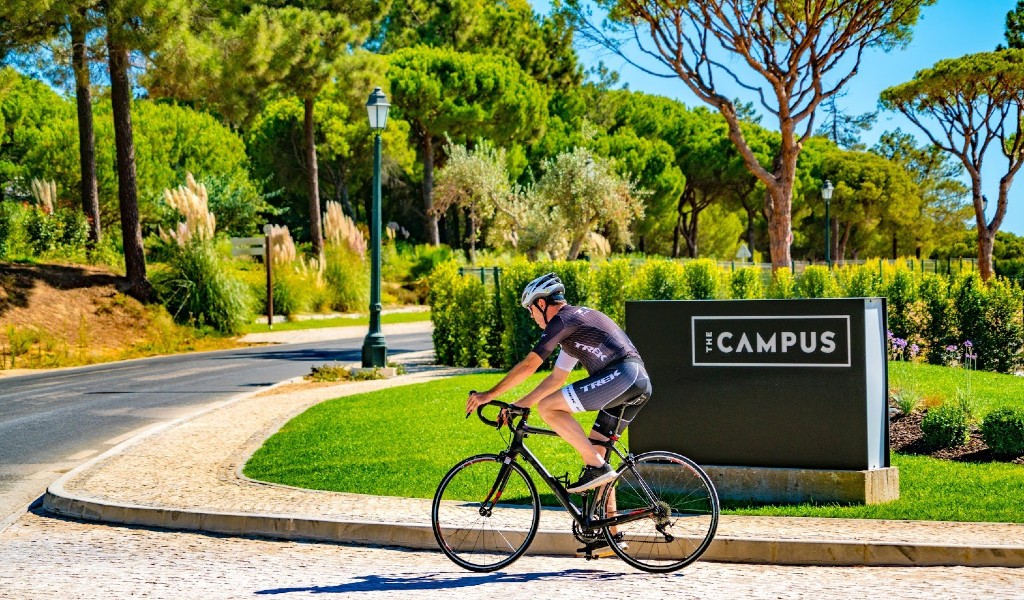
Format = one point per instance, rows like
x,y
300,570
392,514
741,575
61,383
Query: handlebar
x,y
514,411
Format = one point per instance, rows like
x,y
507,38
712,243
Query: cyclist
x,y
616,376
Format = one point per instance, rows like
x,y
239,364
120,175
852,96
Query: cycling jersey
x,y
587,336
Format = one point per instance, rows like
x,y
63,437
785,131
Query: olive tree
x,y
475,180
585,194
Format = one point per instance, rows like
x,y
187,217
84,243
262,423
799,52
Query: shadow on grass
x,y
408,582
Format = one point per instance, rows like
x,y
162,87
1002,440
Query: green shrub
x,y
901,296
782,285
427,257
292,294
463,314
518,331
946,426
74,228
746,284
939,328
1004,329
816,282
347,276
701,279
906,398
1003,430
611,288
43,231
858,281
969,306
660,279
10,222
198,288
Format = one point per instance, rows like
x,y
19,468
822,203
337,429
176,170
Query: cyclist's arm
x,y
526,367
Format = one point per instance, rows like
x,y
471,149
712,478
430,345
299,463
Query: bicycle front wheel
x,y
685,512
485,513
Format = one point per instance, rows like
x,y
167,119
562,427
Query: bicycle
x,y
659,514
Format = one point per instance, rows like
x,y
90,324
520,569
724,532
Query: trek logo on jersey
x,y
591,350
771,341
602,381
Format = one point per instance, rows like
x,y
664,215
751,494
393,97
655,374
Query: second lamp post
x,y
375,349
826,193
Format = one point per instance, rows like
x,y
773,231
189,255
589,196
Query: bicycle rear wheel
x,y
685,518
485,513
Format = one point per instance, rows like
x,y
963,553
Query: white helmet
x,y
542,287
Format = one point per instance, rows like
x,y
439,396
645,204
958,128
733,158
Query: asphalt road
x,y
51,422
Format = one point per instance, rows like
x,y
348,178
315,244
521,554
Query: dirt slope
x,y
67,314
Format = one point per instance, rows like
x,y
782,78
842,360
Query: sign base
x,y
773,485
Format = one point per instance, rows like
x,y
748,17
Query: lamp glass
x,y
826,192
377,109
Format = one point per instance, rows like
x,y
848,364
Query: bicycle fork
x,y
487,505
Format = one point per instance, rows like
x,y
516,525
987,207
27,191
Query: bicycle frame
x,y
584,516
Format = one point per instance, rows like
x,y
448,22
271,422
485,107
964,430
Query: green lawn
x,y
403,317
401,441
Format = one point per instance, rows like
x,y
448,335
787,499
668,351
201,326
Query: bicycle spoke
x,y
492,539
684,512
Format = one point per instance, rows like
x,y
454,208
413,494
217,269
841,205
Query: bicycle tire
x,y
469,534
688,520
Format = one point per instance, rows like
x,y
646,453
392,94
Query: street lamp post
x,y
375,349
826,193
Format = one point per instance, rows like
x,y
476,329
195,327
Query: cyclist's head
x,y
547,287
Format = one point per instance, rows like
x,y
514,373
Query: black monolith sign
x,y
764,383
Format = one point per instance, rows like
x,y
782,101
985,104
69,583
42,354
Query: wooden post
x,y
267,260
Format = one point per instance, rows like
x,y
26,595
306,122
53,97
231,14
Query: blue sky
x,y
947,29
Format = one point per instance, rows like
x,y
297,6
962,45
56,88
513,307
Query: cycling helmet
x,y
545,286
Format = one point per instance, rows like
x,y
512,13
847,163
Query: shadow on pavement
x,y
443,581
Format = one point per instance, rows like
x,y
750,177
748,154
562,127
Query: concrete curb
x,y
421,537
60,501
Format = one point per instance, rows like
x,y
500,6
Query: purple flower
x,y
888,334
972,356
951,348
914,350
968,344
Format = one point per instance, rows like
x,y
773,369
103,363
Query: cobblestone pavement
x,y
47,557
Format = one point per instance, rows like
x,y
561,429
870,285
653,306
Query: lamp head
x,y
377,109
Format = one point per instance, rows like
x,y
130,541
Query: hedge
x,y
927,309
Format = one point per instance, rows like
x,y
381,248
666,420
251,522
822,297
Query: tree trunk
x,y
677,230
577,243
86,136
127,193
316,233
430,219
778,209
985,267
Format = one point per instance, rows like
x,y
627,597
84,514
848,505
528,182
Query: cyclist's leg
x,y
557,413
613,419
606,387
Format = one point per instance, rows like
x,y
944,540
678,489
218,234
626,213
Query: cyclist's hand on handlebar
x,y
504,417
475,400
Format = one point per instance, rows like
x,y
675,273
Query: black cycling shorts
x,y
618,392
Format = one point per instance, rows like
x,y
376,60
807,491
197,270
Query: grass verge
x,y
402,317
401,442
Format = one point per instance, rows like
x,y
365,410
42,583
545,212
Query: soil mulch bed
x,y
906,437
